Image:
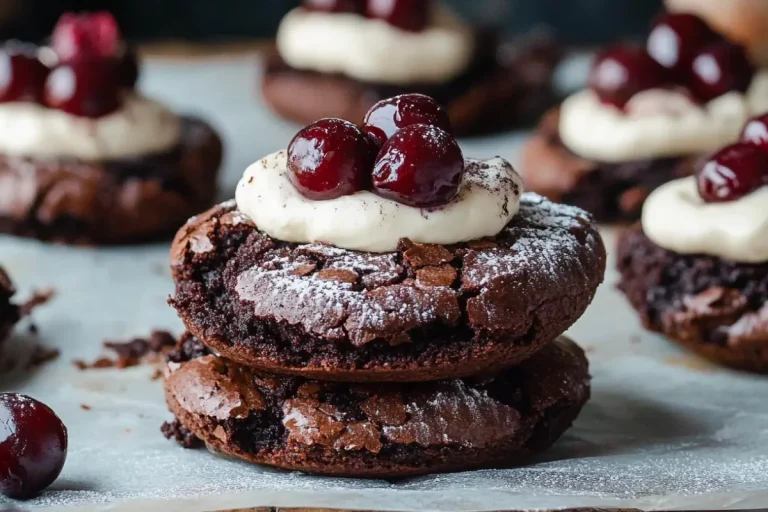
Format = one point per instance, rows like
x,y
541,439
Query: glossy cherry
x,y
330,158
411,15
33,446
356,6
622,71
756,132
732,172
90,35
720,68
22,75
420,165
676,38
84,88
392,114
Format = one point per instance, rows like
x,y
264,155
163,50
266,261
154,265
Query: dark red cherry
x,y
720,68
389,115
676,38
420,165
89,35
86,88
412,15
33,446
756,132
330,158
356,6
22,75
622,71
128,68
732,172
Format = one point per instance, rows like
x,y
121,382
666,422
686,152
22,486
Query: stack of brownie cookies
x,y
369,354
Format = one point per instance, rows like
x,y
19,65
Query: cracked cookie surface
x,y
423,312
715,307
376,430
111,202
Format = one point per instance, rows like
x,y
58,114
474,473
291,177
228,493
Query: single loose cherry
x,y
622,71
720,68
732,173
756,132
676,38
411,15
33,446
89,35
22,74
85,88
389,115
330,158
420,165
335,6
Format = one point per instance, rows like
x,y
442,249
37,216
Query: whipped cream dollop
x,y
657,123
372,50
488,199
676,218
140,127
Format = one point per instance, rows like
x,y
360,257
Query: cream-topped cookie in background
x,y
86,158
696,266
337,58
649,111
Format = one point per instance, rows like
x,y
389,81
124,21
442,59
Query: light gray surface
x,y
662,431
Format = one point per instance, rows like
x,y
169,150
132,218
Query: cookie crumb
x,y
176,431
42,355
133,352
85,407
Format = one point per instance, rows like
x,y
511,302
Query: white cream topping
x,y
677,219
677,127
140,127
373,50
489,198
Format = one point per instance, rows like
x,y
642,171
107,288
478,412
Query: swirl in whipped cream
x,y
600,132
140,127
372,50
489,198
677,219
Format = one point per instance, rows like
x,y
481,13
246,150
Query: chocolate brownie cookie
x,y
612,192
423,312
9,312
715,307
109,202
506,86
379,430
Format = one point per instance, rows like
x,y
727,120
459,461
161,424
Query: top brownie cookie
x,y
422,312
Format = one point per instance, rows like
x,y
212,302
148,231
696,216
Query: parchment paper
x,y
663,430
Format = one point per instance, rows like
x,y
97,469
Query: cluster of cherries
x,y
33,446
404,151
682,52
92,67
738,169
411,15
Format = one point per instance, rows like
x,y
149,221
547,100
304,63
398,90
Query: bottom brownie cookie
x,y
612,192
119,201
715,307
9,312
385,430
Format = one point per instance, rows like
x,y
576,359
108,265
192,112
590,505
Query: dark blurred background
x,y
572,21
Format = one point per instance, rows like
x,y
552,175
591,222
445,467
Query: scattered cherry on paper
x,y
33,446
